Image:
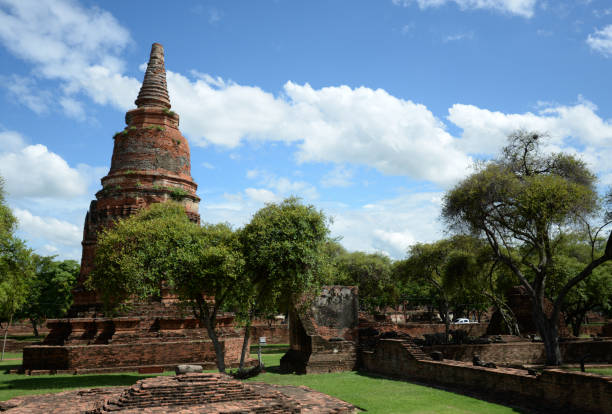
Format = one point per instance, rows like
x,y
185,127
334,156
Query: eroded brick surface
x,y
190,393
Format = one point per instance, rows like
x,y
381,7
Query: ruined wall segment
x,y
150,164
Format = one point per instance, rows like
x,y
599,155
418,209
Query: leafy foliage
x,y
49,291
284,252
521,203
203,265
372,273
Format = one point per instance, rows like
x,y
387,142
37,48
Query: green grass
x,y
374,394
595,370
13,385
380,395
602,371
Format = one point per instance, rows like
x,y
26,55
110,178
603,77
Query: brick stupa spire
x,y
154,92
150,164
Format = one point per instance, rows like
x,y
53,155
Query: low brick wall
x,y
552,390
417,330
520,353
116,356
13,345
276,334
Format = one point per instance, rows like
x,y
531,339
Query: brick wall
x,y
13,345
519,353
276,334
419,329
552,390
48,357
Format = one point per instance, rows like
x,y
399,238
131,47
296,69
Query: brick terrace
x,y
190,393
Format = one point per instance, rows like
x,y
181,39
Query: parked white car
x,y
461,321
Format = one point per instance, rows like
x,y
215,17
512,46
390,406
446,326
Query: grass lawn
x,y
13,385
379,395
376,395
595,370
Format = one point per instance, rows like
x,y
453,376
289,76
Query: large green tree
x,y
285,254
16,266
203,265
527,199
451,268
49,291
591,294
372,273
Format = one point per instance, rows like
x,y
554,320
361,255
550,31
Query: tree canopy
x,y
530,199
16,266
159,245
284,252
49,291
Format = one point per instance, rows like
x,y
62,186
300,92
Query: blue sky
x,y
369,110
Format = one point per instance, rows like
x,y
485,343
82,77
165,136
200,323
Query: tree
x,y
371,272
203,265
284,251
16,268
528,199
49,291
593,293
448,267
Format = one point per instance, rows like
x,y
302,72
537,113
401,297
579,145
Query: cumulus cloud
x,y
261,195
575,129
50,228
524,8
389,226
340,176
281,187
333,124
601,41
56,36
34,171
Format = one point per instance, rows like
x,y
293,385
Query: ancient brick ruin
x,y
323,337
189,393
150,164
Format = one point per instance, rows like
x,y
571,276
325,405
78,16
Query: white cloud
x,y
389,226
24,91
34,171
340,176
54,230
72,108
524,8
333,124
458,36
282,186
601,41
261,195
59,38
575,129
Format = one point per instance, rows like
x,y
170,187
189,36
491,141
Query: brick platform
x,y
190,393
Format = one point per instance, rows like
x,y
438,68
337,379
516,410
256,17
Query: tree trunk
x,y
219,351
445,312
549,331
245,344
209,319
5,334
34,327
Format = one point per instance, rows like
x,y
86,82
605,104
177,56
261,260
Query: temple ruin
x,y
150,164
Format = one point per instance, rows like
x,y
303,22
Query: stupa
x,y
150,164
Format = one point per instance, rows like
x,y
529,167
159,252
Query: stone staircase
x,y
414,350
202,390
